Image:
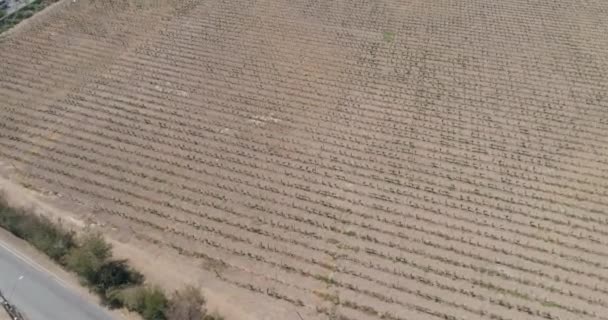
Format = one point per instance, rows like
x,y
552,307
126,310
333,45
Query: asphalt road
x,y
38,294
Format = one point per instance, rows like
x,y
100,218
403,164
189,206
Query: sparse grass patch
x,y
187,304
150,302
388,36
39,231
551,304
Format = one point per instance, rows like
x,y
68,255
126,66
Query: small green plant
x,y
155,304
551,304
388,36
88,258
150,302
127,297
115,274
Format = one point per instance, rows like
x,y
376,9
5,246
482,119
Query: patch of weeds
x,y
551,304
332,241
333,298
388,36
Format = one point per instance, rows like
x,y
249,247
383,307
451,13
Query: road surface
x,y
38,294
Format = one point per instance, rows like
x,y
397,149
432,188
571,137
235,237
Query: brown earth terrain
x,y
305,159
4,315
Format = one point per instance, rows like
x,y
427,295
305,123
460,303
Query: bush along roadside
x,y
90,257
7,21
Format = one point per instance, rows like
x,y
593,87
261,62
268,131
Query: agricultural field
x,y
349,160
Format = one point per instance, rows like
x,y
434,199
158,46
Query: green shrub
x,y
115,274
155,305
150,302
131,298
88,258
39,231
23,14
388,36
49,239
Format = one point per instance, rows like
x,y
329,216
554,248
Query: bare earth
x,y
304,159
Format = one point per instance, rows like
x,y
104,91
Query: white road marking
x,y
34,264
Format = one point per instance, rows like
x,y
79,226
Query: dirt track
x,y
341,159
